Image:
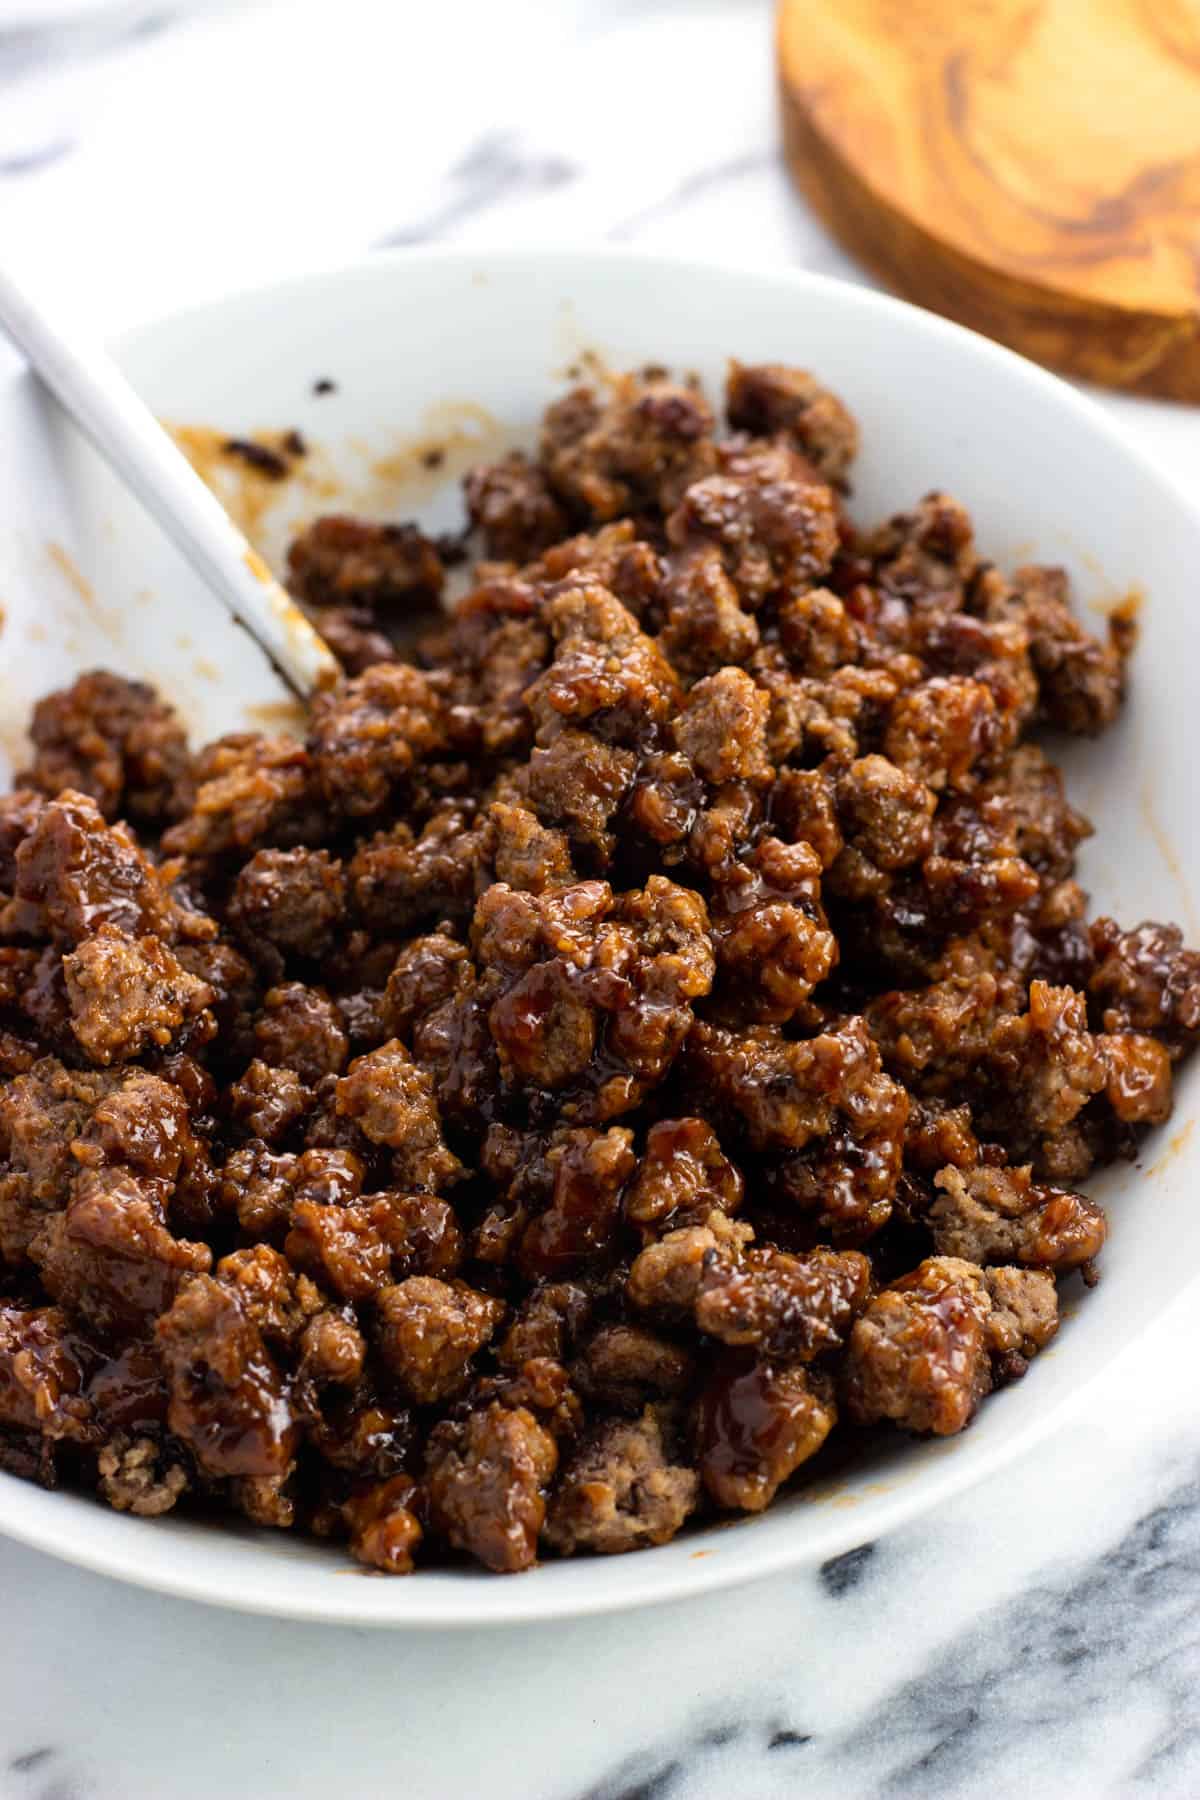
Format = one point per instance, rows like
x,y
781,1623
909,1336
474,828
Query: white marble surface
x,y
1039,1638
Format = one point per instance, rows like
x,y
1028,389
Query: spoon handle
x,y
126,433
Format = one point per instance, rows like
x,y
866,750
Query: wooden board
x,y
1029,167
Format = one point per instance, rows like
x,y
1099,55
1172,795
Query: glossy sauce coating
x,y
645,1028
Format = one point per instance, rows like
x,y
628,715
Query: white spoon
x,y
130,438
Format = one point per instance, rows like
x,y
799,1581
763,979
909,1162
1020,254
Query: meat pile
x,y
648,1031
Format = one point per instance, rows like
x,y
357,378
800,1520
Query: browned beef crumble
x,y
648,1029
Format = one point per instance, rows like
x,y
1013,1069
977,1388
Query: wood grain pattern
x,y
1029,167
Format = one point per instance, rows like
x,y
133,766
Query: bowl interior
x,y
439,359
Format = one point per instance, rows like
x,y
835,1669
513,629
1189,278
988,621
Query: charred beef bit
x,y
368,733
129,995
360,1434
341,561
110,1258
928,552
765,398
625,1487
229,1401
269,1103
428,1331
43,1371
640,448
682,1177
191,1080
1081,680
786,1306
511,504
74,874
989,1214
974,879
757,1423
30,1457
391,1099
774,524
486,1476
826,1097
364,1019
248,788
919,1353
294,900
115,740
20,971
1050,941
300,1028
1145,981
195,1204
385,1529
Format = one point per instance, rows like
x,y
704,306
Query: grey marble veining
x,y
494,170
1038,1637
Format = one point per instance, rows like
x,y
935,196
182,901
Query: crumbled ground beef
x,y
652,1018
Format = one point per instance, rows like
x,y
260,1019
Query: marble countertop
x,y
1038,1637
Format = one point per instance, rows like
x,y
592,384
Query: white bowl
x,y
451,346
